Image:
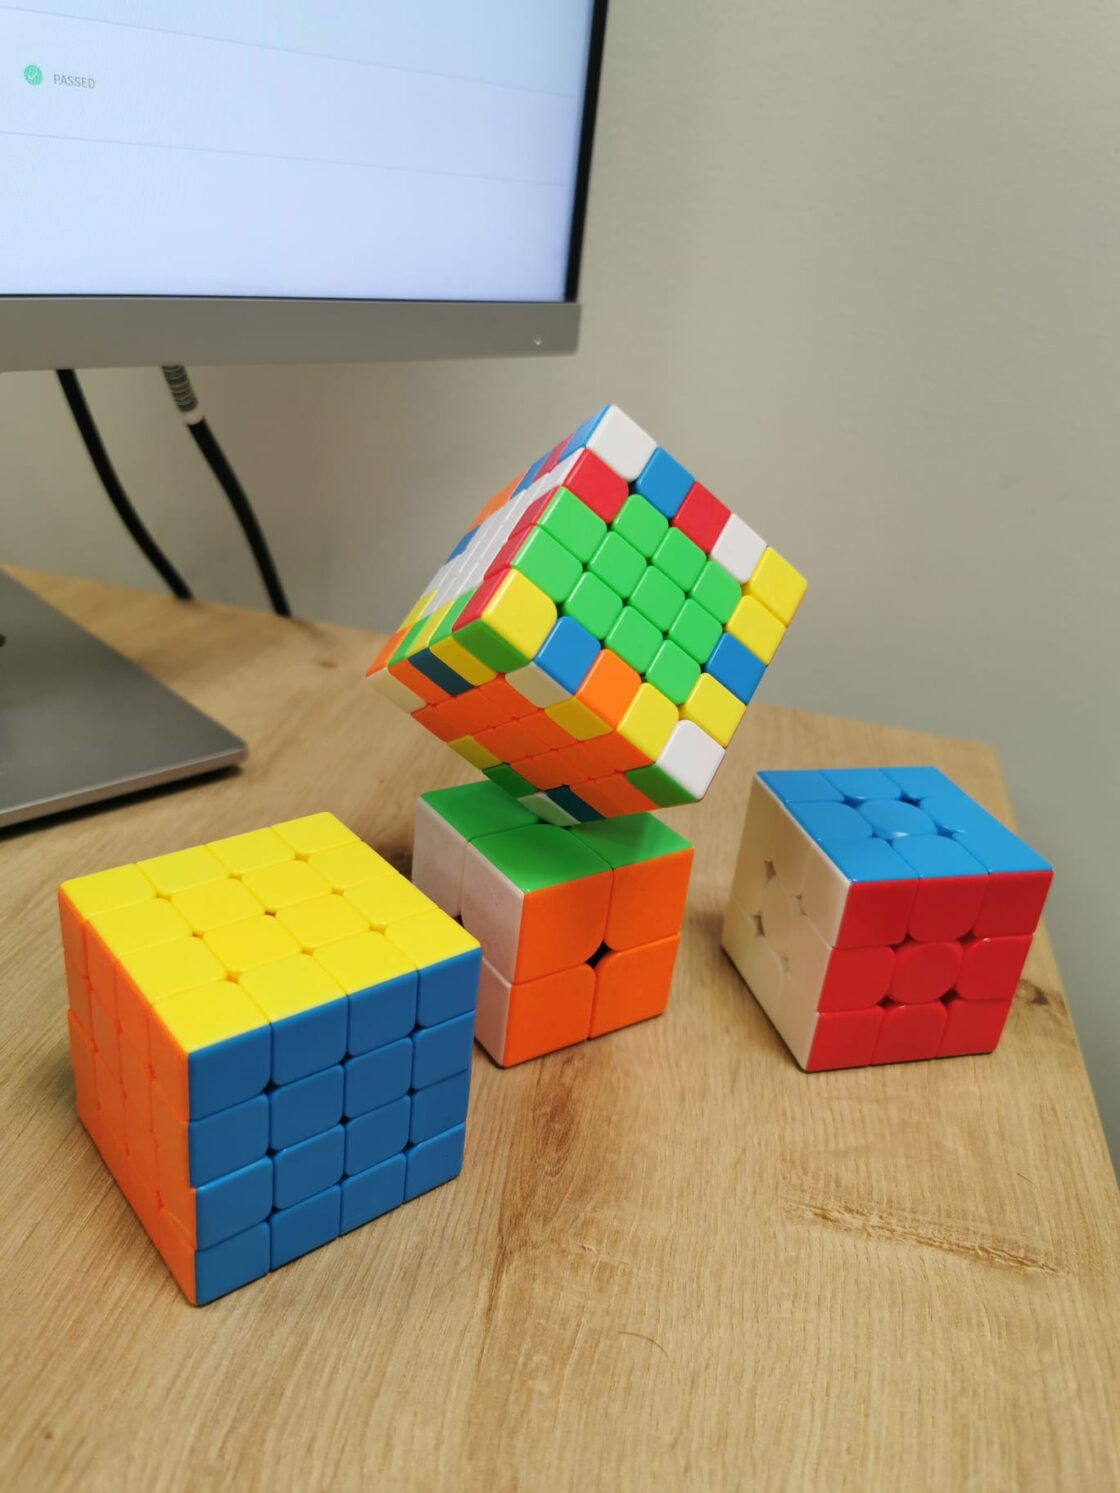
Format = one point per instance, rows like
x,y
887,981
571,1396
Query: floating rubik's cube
x,y
593,639
880,916
271,1040
579,927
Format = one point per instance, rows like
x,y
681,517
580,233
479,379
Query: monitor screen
x,y
425,150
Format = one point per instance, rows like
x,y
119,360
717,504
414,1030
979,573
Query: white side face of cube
x,y
691,758
787,904
621,443
756,847
437,859
779,912
738,549
399,694
492,1012
790,1003
491,908
534,685
550,812
561,469
824,896
794,853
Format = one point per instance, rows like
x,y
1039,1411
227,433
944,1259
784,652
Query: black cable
x,y
132,521
182,391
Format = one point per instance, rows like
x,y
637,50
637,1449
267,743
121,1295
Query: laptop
x,y
80,724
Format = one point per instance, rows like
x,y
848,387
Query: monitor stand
x,y
79,723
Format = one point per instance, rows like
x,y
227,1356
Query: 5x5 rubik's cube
x,y
271,1039
592,640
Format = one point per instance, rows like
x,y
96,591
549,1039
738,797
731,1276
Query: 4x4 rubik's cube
x,y
271,1040
590,644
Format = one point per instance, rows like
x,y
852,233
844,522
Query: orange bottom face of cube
x,y
548,1013
632,985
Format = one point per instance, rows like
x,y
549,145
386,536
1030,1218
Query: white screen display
x,y
424,150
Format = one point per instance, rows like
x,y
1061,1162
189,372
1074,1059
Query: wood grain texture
x,y
672,1260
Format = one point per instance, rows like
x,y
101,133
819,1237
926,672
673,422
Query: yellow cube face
x,y
713,708
239,1014
777,585
649,721
756,627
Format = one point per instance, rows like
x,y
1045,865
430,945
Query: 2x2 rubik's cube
x,y
590,644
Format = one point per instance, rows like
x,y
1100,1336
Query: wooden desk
x,y
672,1259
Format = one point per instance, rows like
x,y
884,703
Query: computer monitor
x,y
254,182
331,180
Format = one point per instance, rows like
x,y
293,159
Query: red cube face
x,y
880,916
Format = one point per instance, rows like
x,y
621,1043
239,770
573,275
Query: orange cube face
x,y
579,926
271,1040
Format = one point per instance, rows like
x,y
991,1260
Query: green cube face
x,y
696,631
664,791
594,604
573,525
717,591
673,672
680,559
509,781
548,564
641,524
657,598
444,629
618,564
480,639
635,639
406,642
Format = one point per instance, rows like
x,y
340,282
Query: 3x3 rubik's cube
x,y
880,915
271,1039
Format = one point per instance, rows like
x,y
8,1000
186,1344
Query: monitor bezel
x,y
64,331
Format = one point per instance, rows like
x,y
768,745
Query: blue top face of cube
x,y
664,482
895,822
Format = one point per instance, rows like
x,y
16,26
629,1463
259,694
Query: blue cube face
x,y
369,1194
304,1108
376,1077
227,1141
382,1014
449,988
306,1225
434,1161
308,1167
377,1135
440,1107
233,1263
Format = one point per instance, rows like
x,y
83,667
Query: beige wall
x,y
858,263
